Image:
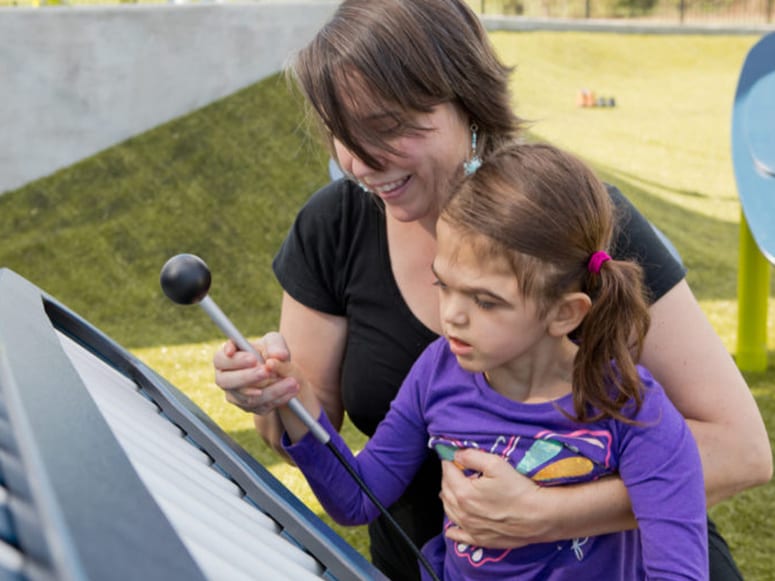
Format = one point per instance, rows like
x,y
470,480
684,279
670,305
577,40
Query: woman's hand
x,y
504,509
250,385
498,509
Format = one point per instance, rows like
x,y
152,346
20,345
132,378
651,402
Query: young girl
x,y
537,363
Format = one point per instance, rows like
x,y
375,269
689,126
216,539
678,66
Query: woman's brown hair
x,y
548,213
400,58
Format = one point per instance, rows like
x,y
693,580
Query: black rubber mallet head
x,y
185,279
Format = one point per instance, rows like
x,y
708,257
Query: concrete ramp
x,y
76,80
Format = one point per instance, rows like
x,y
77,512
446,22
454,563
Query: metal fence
x,y
710,12
691,12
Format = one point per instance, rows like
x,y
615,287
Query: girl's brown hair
x,y
548,213
400,58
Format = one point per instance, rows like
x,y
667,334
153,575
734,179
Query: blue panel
x,y
753,143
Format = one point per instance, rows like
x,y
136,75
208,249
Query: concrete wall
x,y
76,80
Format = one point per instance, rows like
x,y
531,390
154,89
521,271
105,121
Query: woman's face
x,y
416,180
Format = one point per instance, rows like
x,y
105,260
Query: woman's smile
x,y
389,190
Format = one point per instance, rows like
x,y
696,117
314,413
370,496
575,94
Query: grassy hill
x,y
225,182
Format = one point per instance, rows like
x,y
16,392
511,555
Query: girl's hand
x,y
251,385
289,373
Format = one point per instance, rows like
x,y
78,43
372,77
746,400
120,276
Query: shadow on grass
x,y
630,177
708,246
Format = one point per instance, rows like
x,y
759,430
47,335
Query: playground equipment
x,y
753,158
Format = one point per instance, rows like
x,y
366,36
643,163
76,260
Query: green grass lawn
x,y
226,181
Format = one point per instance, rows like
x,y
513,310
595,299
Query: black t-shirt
x,y
335,260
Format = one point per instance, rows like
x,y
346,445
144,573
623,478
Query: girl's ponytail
x,y
612,332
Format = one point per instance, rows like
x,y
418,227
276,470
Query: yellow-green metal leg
x,y
753,287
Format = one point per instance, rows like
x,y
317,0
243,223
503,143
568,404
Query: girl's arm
x,y
386,465
660,464
686,356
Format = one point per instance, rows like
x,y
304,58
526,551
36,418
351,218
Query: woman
x,y
507,377
407,92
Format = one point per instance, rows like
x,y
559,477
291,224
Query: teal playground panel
x,y
753,158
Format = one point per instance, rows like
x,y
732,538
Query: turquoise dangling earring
x,y
471,165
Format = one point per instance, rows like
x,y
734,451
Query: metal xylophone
x,y
108,472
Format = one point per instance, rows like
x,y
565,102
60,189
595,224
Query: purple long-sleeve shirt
x,y
441,407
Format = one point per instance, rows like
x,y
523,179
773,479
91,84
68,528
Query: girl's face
x,y
415,182
488,322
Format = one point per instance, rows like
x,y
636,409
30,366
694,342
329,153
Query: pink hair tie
x,y
596,261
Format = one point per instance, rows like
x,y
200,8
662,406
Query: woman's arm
x,y
686,356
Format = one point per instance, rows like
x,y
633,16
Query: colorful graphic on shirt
x,y
549,458
478,556
566,468
540,452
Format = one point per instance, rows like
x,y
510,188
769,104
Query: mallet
x,y
185,279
